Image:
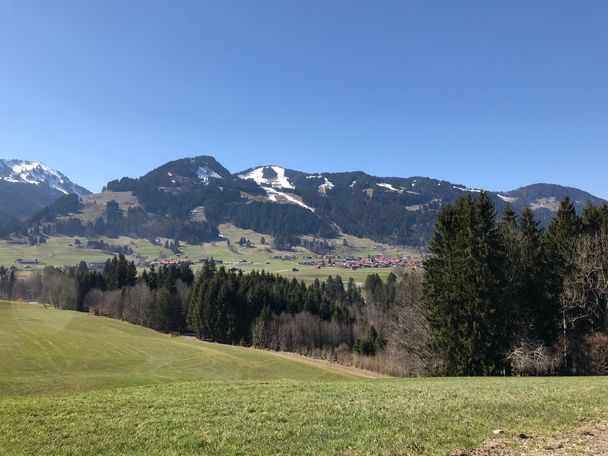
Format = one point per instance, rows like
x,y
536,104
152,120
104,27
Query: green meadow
x,y
62,251
75,384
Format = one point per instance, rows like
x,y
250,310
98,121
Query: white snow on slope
x,y
508,199
36,173
389,187
277,197
204,173
280,181
327,185
464,189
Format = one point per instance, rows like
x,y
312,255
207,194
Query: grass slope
x,y
61,251
196,398
45,350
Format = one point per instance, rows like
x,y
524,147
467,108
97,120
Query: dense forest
x,y
503,296
497,296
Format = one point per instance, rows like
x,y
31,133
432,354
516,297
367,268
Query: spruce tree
x,y
464,289
539,311
511,239
560,244
591,219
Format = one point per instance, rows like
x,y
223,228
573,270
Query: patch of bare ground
x,y
591,439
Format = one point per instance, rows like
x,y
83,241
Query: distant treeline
x,y
100,244
255,309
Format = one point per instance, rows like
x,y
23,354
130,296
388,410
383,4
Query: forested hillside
x,y
187,199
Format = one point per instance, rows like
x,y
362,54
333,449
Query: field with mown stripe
x,y
72,383
46,350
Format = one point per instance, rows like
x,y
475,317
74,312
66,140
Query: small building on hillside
x,y
96,265
27,261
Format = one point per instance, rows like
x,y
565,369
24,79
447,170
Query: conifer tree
x,y
560,244
511,240
591,219
539,312
464,289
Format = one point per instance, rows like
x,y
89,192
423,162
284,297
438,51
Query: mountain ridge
x,y
188,198
27,187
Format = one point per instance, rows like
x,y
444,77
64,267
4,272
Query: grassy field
x,y
73,384
45,350
62,251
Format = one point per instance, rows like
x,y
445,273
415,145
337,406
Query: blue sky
x,y
483,93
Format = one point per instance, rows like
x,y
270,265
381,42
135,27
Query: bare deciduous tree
x,y
585,295
530,358
595,349
409,331
94,301
138,301
59,291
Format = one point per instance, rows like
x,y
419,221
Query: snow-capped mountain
x,y
191,197
35,173
26,187
268,176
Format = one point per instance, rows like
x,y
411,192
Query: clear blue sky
x,y
484,93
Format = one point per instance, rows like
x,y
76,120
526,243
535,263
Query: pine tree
x,y
110,273
464,289
560,245
131,274
511,240
122,271
591,219
540,313
168,308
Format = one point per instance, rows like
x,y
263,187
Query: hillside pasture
x,y
46,350
73,383
62,251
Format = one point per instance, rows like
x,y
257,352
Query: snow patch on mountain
x,y
204,173
468,190
390,187
507,199
326,186
36,173
282,197
260,176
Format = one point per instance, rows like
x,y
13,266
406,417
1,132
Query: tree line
x,y
503,296
498,295
254,309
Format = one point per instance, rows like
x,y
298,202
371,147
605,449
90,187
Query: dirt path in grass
x,y
588,440
309,360
337,366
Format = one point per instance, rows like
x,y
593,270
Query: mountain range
x,y
26,187
188,198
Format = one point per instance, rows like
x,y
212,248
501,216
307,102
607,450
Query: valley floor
x,y
74,384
